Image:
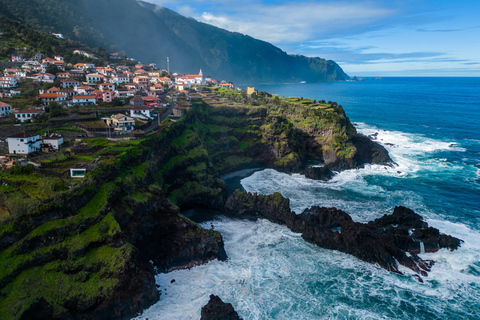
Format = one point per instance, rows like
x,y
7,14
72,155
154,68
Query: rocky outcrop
x,y
319,173
366,151
388,241
216,309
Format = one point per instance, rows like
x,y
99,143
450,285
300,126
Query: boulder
x,y
216,309
319,173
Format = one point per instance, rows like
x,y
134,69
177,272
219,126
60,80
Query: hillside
x,y
87,248
151,34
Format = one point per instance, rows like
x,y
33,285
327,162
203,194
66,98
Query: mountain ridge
x,y
152,33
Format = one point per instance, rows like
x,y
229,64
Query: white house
x,y
54,140
120,79
106,86
84,100
5,109
44,77
24,143
122,93
85,90
28,114
46,98
69,83
93,78
141,112
15,72
8,82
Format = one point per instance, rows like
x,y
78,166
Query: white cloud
x,y
296,22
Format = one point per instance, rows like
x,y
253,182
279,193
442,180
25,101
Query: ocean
x,y
431,128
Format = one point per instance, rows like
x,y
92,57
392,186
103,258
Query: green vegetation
x,y
67,231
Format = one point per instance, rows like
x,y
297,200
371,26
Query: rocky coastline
x,y
389,241
103,241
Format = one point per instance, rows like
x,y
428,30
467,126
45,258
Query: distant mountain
x,y
151,33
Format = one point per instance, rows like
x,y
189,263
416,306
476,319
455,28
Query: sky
x,y
365,37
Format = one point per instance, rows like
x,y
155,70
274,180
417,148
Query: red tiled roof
x,y
84,97
31,110
3,104
49,95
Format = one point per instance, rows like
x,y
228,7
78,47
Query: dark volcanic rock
x,y
369,151
388,241
216,309
319,173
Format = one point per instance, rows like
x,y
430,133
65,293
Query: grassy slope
x,y
68,250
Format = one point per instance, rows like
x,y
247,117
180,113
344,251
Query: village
x,y
84,101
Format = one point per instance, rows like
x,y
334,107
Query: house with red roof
x,y
157,88
85,100
115,56
85,90
28,114
106,86
53,90
44,77
46,98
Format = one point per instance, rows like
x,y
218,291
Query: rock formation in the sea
x,y
318,173
388,241
216,309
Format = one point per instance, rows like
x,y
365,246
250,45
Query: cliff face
x,y
151,34
87,252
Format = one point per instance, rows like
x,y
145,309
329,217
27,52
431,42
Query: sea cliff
x,y
92,251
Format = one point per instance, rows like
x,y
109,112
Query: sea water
x,y
431,128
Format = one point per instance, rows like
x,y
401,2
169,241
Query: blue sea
x,y
431,128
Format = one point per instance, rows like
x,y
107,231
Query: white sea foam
x,y
272,273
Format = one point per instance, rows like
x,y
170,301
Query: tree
x,y
56,110
52,69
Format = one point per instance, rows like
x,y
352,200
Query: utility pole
x,y
168,65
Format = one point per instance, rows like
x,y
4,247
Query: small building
x,y
54,140
142,82
122,123
120,79
46,98
108,96
8,82
137,101
85,90
94,78
157,88
141,112
24,143
70,83
85,100
44,77
116,56
106,86
28,114
251,90
5,109
78,172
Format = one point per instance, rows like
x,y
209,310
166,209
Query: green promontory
x,y
89,249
